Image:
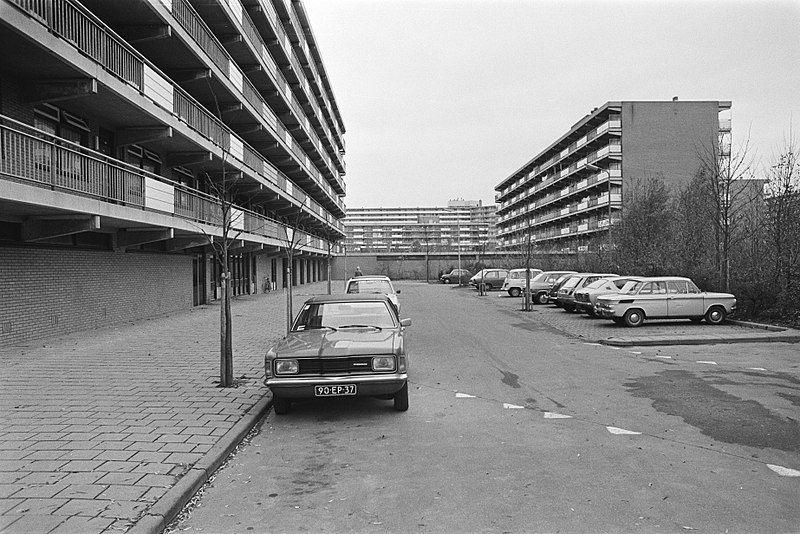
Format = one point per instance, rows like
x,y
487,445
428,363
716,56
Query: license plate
x,y
335,391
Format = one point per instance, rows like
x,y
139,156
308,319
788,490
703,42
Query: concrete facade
x,y
122,128
572,192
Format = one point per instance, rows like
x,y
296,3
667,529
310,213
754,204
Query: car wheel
x,y
514,291
634,317
401,399
281,405
540,298
446,280
715,315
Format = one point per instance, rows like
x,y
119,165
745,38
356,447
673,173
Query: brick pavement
x,y
104,429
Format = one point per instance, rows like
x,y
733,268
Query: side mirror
x,y
405,322
398,291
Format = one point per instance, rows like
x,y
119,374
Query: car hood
x,y
329,344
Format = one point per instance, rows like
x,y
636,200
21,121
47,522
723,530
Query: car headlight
x,y
287,367
383,363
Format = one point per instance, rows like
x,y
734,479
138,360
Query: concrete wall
x,y
46,292
666,138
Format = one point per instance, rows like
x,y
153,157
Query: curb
x,y
161,514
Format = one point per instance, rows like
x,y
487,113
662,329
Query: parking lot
x,y
656,332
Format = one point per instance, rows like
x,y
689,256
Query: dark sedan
x,y
341,345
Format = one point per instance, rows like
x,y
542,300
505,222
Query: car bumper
x,y
583,306
605,313
303,387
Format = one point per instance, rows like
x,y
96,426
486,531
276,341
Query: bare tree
x,y
230,219
295,240
783,190
724,177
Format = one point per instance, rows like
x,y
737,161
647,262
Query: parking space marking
x,y
784,471
622,431
707,362
509,406
464,396
756,369
552,415
663,357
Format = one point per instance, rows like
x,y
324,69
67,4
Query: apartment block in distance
x,y
465,223
122,126
567,198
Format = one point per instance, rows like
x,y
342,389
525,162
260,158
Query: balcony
x,y
134,199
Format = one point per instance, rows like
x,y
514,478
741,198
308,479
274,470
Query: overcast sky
x,y
443,99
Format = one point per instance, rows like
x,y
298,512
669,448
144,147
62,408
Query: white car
x,y
666,297
515,281
374,284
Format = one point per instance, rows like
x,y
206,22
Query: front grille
x,y
336,366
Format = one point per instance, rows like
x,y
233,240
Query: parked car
x,y
374,284
552,294
664,297
542,282
457,276
566,293
341,345
491,278
514,283
586,298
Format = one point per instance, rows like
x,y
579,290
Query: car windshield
x,y
336,315
539,277
370,286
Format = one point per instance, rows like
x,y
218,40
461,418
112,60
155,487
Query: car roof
x,y
662,278
371,277
348,297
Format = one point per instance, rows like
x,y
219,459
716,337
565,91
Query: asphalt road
x,y
516,427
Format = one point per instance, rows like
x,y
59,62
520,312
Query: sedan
x,y
667,297
374,284
341,345
586,298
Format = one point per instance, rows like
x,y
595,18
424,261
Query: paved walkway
x,y
114,429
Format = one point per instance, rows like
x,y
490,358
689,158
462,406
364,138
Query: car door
x,y
683,301
652,298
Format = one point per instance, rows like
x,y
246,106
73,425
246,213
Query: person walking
x,y
358,272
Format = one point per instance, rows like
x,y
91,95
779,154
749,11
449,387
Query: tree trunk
x,y
226,335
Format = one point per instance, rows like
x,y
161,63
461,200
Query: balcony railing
x,y
30,156
92,38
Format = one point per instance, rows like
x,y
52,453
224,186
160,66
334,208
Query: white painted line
x,y
707,362
784,471
613,347
551,415
508,406
464,396
635,352
621,431
756,369
664,357
593,344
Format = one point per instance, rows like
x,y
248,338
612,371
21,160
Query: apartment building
x,y
465,223
568,197
136,135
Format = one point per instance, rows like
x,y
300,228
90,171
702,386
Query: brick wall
x,y
46,292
